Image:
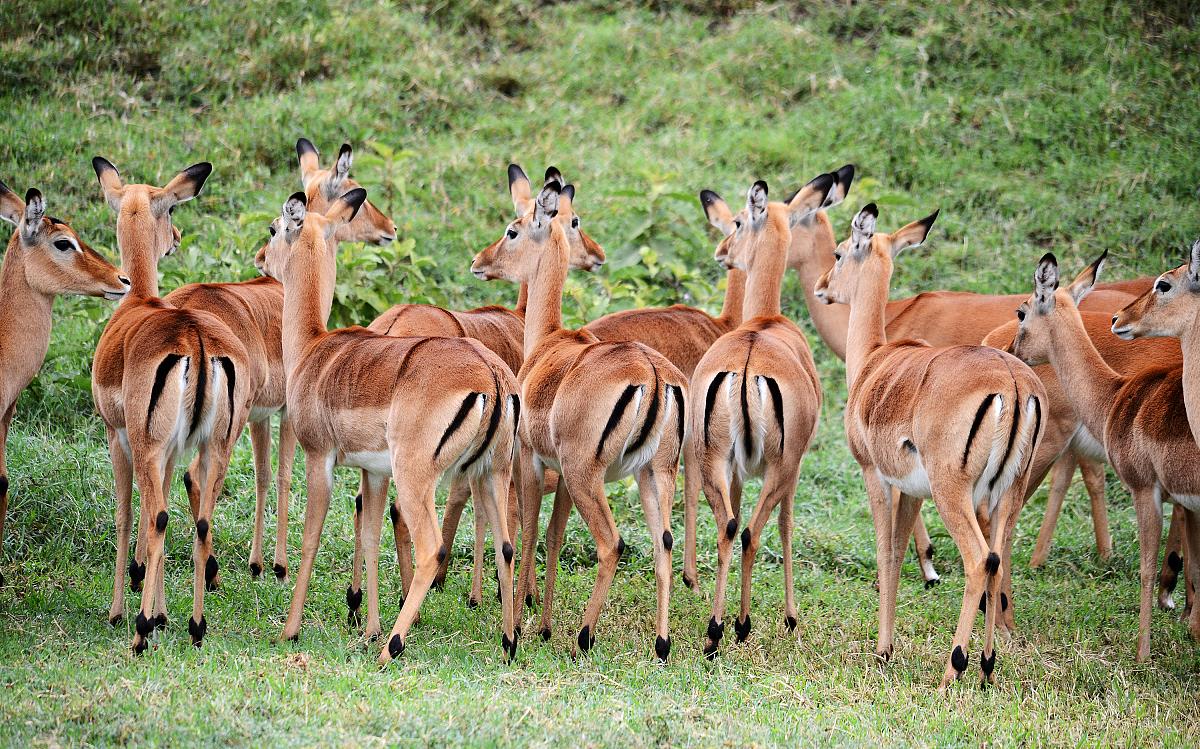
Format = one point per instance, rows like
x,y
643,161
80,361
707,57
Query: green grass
x,y
1069,127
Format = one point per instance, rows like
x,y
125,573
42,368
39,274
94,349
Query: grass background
x,y
1064,126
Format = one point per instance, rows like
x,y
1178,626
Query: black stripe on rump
x,y
615,417
160,380
467,404
710,398
201,385
651,417
777,402
1012,437
983,408
230,386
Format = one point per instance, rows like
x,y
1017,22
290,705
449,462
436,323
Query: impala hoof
x,y
932,582
197,630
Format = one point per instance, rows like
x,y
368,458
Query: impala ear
x,y
1045,283
546,206
1086,281
110,181
717,211
308,157
841,187
294,211
862,230
518,188
35,211
11,205
1193,271
913,234
810,198
341,169
344,209
183,187
553,175
756,202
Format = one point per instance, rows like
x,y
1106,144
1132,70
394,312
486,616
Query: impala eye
x,y
1020,315
575,223
64,245
737,223
1162,287
272,229
512,233
171,211
837,257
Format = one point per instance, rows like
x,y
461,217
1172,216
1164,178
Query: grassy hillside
x,y
1060,126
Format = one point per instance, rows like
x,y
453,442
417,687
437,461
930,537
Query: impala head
x,y
867,254
144,211
812,236
1168,308
762,224
1050,306
585,253
297,230
323,186
515,256
56,260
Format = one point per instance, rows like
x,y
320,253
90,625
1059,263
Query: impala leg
x,y
460,492
260,442
1191,532
1149,520
692,481
201,476
354,590
555,532
481,527
653,492
1061,474
404,548
5,421
529,483
283,492
880,497
997,568
777,484
123,479
415,496
923,546
318,472
1173,561
150,480
374,500
906,517
955,504
1093,480
487,491
715,491
587,489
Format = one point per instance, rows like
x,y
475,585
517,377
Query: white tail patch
x,y
1004,475
482,465
749,462
628,463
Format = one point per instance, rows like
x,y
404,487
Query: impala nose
x,y
1114,321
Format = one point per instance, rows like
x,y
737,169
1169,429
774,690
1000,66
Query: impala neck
x,y
522,299
139,258
1190,345
544,314
866,331
831,320
765,278
735,297
25,326
307,295
1090,384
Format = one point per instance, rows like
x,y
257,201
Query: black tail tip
x,y
993,563
731,528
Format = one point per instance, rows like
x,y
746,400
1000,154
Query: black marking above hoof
x,y
1175,562
508,646
187,482
742,628
958,659
160,621
988,665
716,630
197,630
790,622
731,528
137,573
688,582
211,568
992,564
745,539
280,572
139,645
353,598
507,551
930,583
1003,601
586,639
662,648
545,634
441,555
255,570
620,548
395,646
929,551
439,583
983,603
668,540
358,504
472,603
528,600
143,626
160,522
202,529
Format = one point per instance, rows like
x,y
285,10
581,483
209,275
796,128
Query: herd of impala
x,y
950,398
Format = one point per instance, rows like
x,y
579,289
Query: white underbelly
x,y
915,483
371,461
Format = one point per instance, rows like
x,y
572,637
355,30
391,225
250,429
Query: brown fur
x,y
572,388
392,407
932,421
1142,417
133,361
45,258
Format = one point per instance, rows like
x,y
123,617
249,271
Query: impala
x,y
762,395
595,412
45,258
165,381
1141,419
959,424
408,409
